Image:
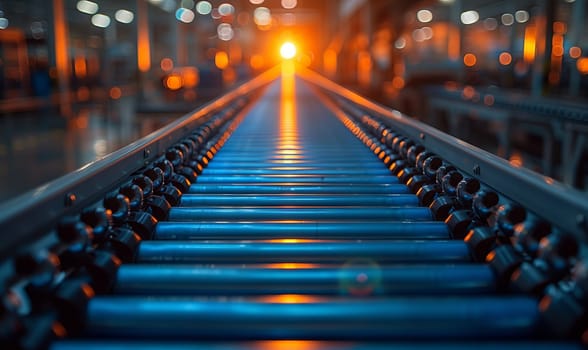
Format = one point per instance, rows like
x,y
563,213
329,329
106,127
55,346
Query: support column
x,y
62,61
143,47
576,30
143,43
544,36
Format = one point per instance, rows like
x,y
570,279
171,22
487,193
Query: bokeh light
x,y
225,32
124,16
575,52
87,7
289,4
469,59
204,8
424,16
100,20
469,17
226,9
262,16
505,58
185,15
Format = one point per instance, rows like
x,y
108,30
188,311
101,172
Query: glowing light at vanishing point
x,y
288,50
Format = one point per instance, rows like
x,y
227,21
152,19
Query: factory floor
x,y
41,145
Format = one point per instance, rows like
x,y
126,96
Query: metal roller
x,y
394,200
273,149
294,157
299,213
254,164
307,230
360,277
295,250
300,317
298,188
309,344
298,178
302,171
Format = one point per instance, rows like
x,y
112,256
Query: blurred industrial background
x,y
80,79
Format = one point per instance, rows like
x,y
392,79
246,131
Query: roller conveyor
x,y
268,223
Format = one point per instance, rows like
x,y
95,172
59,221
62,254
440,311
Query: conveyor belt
x,y
293,234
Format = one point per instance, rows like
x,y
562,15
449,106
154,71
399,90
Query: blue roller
x,y
298,188
307,229
290,317
297,178
360,277
309,344
302,171
299,213
394,200
294,250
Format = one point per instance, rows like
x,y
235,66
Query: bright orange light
x,y
288,50
505,58
469,59
530,44
143,45
582,65
173,82
575,52
221,60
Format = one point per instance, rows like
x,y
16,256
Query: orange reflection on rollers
x,y
288,152
288,345
288,144
293,240
58,330
290,266
290,299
